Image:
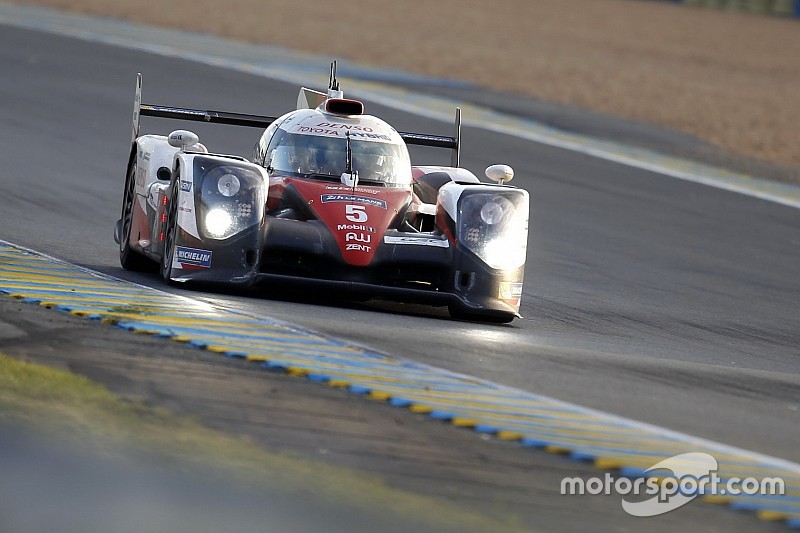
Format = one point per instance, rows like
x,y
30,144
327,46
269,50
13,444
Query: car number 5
x,y
355,213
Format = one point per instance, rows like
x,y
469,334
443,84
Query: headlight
x,y
231,197
228,185
494,226
497,210
218,222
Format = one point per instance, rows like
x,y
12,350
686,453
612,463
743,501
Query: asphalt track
x,y
659,300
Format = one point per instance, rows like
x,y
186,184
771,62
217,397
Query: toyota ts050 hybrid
x,y
330,200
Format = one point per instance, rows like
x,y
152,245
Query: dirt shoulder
x,y
728,78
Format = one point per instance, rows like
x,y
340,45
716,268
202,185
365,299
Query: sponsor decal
x,y
151,199
418,241
354,227
357,248
185,209
378,136
510,292
186,186
193,257
331,132
316,131
141,176
360,237
350,189
350,127
180,111
327,198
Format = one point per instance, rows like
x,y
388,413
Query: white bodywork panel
x,y
456,173
186,208
152,153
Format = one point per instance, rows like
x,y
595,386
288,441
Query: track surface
x,y
652,298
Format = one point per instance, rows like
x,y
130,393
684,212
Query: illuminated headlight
x,y
231,197
218,222
494,226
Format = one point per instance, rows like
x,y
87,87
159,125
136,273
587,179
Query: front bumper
x,y
303,257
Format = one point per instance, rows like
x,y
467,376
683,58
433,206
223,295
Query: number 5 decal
x,y
355,213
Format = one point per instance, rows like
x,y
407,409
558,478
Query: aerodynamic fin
x,y
137,103
310,99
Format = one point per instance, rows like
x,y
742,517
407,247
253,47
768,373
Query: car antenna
x,y
334,83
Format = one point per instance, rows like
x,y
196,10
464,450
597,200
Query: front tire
x,y
128,257
170,234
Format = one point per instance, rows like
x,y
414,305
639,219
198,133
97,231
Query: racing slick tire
x,y
170,233
129,258
497,317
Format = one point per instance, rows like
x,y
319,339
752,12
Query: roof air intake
x,y
342,106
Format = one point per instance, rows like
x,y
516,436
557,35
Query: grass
x,y
61,405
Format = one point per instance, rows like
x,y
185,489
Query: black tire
x,y
496,317
128,257
170,230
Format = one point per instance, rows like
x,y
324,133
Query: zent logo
x,y
358,248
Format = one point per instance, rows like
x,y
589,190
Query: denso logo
x,y
354,227
345,127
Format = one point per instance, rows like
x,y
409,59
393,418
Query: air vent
x,y
342,106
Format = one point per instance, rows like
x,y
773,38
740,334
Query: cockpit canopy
x,y
321,150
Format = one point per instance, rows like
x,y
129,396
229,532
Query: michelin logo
x,y
193,257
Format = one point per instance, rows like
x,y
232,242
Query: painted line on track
x,y
609,442
305,69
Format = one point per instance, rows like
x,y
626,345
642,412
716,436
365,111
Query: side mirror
x,y
500,173
349,180
183,139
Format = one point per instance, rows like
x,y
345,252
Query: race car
x,y
329,201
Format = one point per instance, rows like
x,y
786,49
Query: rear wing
x,y
261,121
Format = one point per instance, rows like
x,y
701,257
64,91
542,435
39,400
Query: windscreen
x,y
313,156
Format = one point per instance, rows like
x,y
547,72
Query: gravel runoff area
x,y
726,77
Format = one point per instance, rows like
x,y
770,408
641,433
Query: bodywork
x,y
423,234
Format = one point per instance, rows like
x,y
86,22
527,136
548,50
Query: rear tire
x,y
128,257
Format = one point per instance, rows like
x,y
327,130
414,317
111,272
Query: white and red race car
x,y
330,200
